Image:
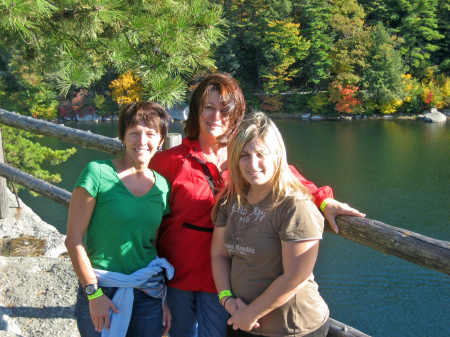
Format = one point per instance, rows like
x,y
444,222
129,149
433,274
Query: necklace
x,y
220,158
209,157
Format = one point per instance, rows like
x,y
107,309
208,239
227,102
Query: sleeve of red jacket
x,y
319,194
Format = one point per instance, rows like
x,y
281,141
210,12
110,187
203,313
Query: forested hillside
x,y
358,57
366,56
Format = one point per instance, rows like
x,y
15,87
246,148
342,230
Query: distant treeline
x,y
365,56
349,56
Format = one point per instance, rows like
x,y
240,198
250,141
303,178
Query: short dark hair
x,y
153,114
231,96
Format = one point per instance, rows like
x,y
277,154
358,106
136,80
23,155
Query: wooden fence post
x,y
172,139
4,199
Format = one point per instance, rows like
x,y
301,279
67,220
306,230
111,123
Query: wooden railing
x,y
413,247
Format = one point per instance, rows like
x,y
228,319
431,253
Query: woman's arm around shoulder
x,y
167,162
323,198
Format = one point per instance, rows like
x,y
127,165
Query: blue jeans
x,y
146,317
196,314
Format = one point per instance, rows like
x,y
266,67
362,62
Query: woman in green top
x,y
119,205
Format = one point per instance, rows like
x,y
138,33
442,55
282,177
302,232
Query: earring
x,y
160,148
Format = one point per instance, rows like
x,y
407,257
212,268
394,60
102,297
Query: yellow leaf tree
x,y
287,47
126,89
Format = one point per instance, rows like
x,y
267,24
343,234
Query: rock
x,y
446,112
333,118
23,222
306,116
89,118
179,112
37,294
316,118
33,308
435,117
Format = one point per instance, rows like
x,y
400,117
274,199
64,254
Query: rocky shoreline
x,y
37,294
428,116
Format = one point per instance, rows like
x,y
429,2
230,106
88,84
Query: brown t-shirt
x,y
253,238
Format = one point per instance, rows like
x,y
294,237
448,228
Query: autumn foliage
x,y
345,97
272,102
126,89
77,105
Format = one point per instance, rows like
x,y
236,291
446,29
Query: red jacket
x,y
185,233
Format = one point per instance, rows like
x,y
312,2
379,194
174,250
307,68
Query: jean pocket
x,y
81,295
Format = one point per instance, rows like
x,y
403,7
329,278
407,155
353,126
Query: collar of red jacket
x,y
196,151
194,148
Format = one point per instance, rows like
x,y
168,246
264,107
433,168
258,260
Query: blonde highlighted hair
x,y
284,183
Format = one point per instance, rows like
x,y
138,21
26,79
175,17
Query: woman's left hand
x,y
242,318
334,208
167,318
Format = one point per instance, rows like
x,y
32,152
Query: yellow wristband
x,y
224,293
98,293
324,203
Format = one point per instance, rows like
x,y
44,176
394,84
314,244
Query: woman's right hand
x,y
231,306
99,308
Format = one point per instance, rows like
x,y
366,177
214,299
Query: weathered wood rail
x,y
55,193
78,137
419,249
61,132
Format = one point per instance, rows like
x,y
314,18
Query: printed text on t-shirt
x,y
257,215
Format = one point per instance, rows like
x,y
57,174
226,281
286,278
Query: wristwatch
x,y
90,289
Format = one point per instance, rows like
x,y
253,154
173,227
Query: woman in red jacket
x,y
196,170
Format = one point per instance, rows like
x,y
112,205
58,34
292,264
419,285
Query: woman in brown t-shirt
x,y
266,240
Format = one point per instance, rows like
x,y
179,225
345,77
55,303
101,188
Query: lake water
x,y
395,171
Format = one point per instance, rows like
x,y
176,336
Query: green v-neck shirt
x,y
122,228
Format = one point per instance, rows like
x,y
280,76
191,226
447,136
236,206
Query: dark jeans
x,y
321,332
196,314
146,317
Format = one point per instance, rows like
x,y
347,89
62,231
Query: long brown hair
x,y
230,95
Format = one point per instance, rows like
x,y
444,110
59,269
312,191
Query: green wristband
x,y
224,293
324,203
98,293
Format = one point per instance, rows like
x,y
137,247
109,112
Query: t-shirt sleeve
x,y
301,220
90,178
222,214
